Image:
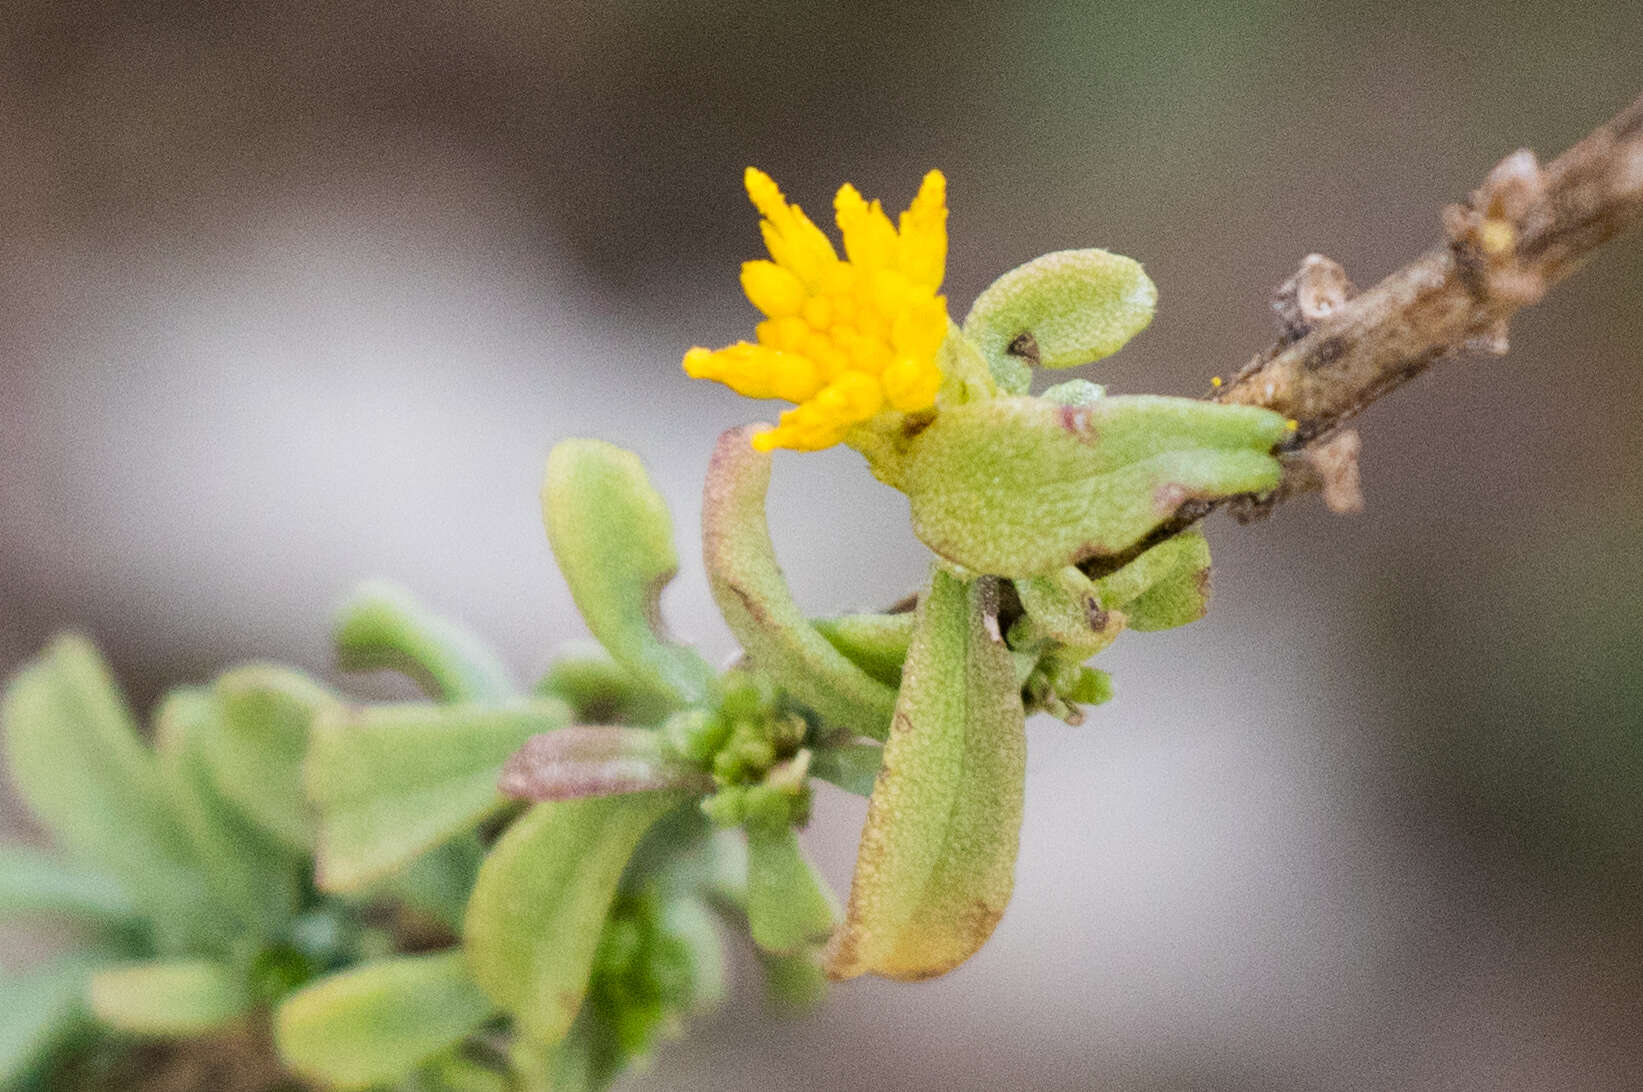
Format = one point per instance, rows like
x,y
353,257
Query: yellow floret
x,y
844,339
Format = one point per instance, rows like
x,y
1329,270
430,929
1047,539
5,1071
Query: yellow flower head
x,y
843,338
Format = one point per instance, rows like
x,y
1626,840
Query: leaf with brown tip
x,y
937,858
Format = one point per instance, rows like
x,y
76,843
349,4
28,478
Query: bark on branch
x,y
1525,229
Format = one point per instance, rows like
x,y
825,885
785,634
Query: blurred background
x,y
295,294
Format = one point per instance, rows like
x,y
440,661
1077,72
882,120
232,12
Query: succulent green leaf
x,y
1074,392
853,767
789,905
595,760
378,1022
968,374
537,910
937,858
794,982
256,755
35,882
1021,487
602,691
173,998
382,627
1061,309
876,643
754,598
39,1013
612,537
390,782
1065,607
437,883
75,758
690,922
247,872
1167,586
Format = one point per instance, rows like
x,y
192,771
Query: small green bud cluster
x,y
753,743
1059,683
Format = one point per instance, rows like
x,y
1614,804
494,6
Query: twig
x,y
1524,230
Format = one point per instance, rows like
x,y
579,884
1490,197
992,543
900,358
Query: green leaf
x,y
1021,487
1167,586
39,1012
602,691
794,982
595,760
380,1021
256,754
876,643
1074,392
35,882
690,922
789,906
77,763
390,782
536,913
174,998
937,858
754,598
1059,310
246,871
853,767
438,882
1065,607
382,627
612,537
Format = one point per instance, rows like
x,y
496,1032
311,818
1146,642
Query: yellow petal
x,y
922,249
793,377
772,289
788,332
744,368
911,384
869,237
792,239
920,329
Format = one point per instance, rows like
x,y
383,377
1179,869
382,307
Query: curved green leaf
x,y
1021,487
876,643
390,782
937,858
612,537
1061,309
382,627
1065,607
33,881
175,998
789,905
75,758
40,1012
537,911
1165,587
256,753
378,1022
754,598
246,871
602,691
853,767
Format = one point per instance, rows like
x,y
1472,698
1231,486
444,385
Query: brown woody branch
x,y
1525,229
